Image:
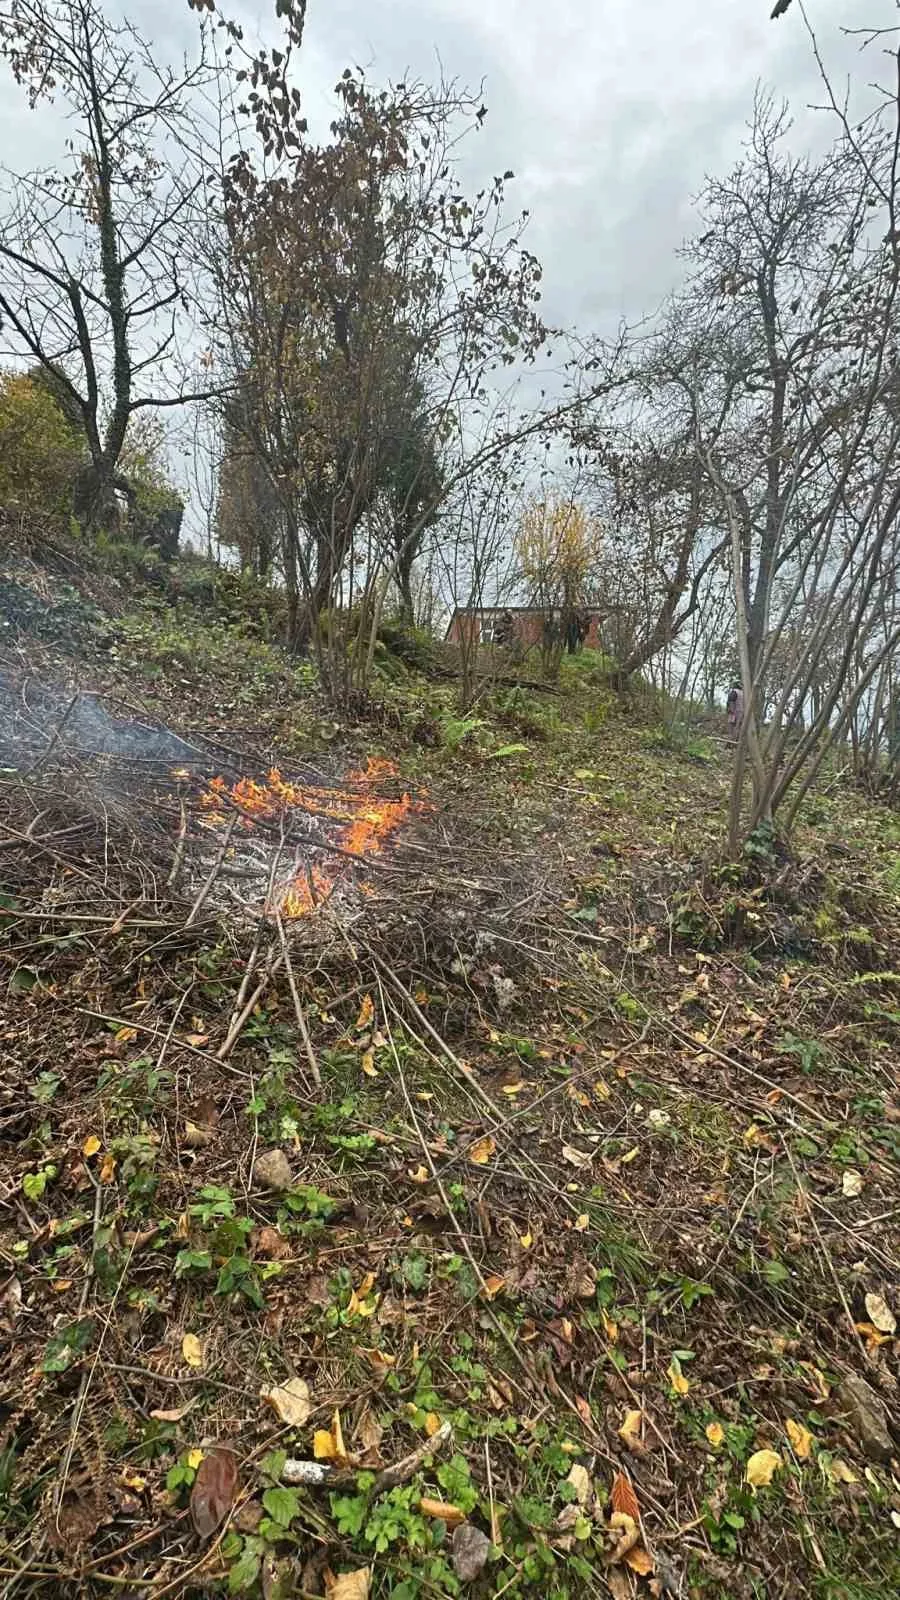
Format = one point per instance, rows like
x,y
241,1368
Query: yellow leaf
x,y
328,1443
368,1064
610,1328
290,1401
801,1439
192,1350
349,1585
715,1433
133,1480
61,1285
418,1175
602,1089
839,1472
493,1285
432,1424
582,1223
630,1431
677,1378
194,1458
442,1512
513,1088
359,1304
480,1153
125,1035
366,1013
851,1183
631,1155
108,1168
761,1468
91,1146
638,1560
526,1241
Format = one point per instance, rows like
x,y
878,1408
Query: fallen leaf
x,y
192,1350
366,1013
677,1378
761,1468
631,1155
639,1561
440,1511
272,1245
432,1424
197,1040
328,1443
582,1223
369,1432
108,1168
715,1433
493,1285
623,1497
630,1433
880,1314
418,1175
575,1158
839,1472
290,1401
580,1479
195,1137
91,1146
381,1361
480,1153
610,1328
213,1494
584,1411
368,1064
801,1439
851,1183
194,1458
359,1304
526,1241
871,1335
618,1584
175,1415
125,1035
470,1549
349,1585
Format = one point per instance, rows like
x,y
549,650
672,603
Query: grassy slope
x,y
610,1181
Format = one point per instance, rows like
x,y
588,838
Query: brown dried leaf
x,y
623,1496
214,1491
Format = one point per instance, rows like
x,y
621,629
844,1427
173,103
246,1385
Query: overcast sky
x,y
609,111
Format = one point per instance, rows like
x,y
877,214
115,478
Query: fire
x,y
366,823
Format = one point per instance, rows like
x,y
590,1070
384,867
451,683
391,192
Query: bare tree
x,y
95,262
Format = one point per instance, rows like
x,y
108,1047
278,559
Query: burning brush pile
x,y
293,847
104,811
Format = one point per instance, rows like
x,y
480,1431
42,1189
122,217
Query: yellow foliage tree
x,y
40,452
558,545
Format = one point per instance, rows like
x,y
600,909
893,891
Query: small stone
x,y
471,1549
867,1417
272,1170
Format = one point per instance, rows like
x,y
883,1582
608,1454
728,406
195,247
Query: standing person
x,y
735,709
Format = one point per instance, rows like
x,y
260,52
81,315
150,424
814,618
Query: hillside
x,y
541,1164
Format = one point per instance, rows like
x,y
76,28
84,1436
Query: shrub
x,y
40,452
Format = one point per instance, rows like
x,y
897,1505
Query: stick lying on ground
x,y
311,1473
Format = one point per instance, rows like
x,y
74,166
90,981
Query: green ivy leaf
x,y
282,1505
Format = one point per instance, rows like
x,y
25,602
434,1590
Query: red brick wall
x,y
528,625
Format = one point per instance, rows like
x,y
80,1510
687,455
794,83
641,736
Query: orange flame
x,y
367,822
